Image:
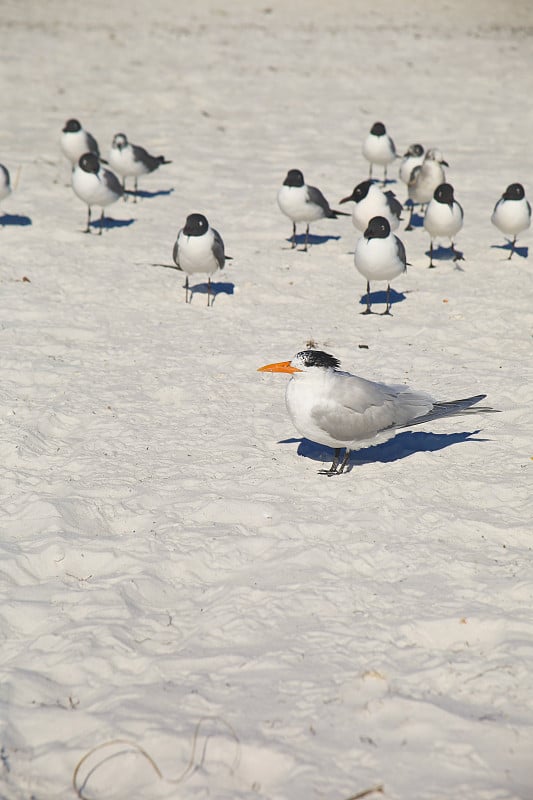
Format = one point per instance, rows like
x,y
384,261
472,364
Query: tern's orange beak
x,y
281,366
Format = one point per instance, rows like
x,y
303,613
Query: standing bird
x,y
198,248
95,185
379,256
75,142
413,157
5,182
303,203
512,213
370,201
443,218
379,149
338,409
131,160
425,179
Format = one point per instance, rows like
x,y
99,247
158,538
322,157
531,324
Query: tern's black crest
x,y
514,192
378,129
89,162
317,358
72,126
195,225
378,228
294,178
444,194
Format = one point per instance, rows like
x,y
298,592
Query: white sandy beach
x,y
170,560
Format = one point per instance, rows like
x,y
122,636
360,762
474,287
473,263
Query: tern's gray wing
x,y
142,155
394,205
452,409
92,144
400,251
112,182
316,197
218,249
175,252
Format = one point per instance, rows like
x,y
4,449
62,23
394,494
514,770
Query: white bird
x,y
303,203
198,249
132,160
75,141
95,185
379,149
425,179
443,218
512,213
379,256
5,182
342,410
371,201
413,157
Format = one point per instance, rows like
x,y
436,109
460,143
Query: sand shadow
x,y
381,297
146,195
401,446
109,222
441,253
523,252
312,240
15,219
217,287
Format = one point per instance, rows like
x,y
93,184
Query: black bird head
x,y
444,194
89,162
415,150
72,126
515,191
378,129
294,178
359,193
195,225
378,228
120,141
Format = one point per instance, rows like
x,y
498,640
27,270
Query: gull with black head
x,y
131,160
95,185
199,248
379,256
75,141
341,410
512,213
379,149
371,201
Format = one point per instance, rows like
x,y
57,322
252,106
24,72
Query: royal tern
x,y
379,256
341,410
379,149
95,185
512,213
75,141
413,157
443,218
425,179
131,160
303,203
198,249
371,201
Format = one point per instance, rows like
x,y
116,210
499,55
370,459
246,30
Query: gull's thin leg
x,y
333,469
135,190
387,307
370,171
293,240
512,249
209,291
187,289
88,228
385,175
304,248
367,309
101,223
431,264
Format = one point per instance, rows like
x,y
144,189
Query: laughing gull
x,y
379,149
512,213
413,157
198,249
95,185
443,218
379,256
132,160
425,179
303,203
371,201
75,141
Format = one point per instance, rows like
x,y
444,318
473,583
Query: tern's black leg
x,y
293,240
387,307
431,264
367,309
512,249
88,228
101,223
333,469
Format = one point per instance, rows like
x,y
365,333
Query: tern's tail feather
x,y
452,408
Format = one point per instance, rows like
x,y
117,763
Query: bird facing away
x,y
5,182
95,185
512,213
342,410
425,179
443,218
303,203
379,149
413,157
75,142
371,201
132,160
198,249
379,256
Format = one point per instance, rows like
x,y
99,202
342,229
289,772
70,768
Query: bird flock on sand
x,y
327,405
